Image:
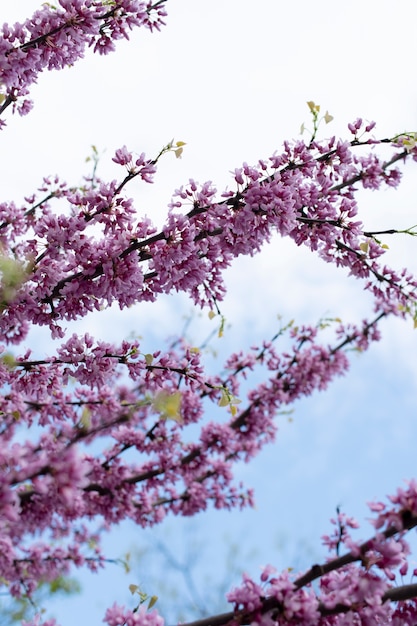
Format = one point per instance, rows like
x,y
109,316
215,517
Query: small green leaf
x,y
168,405
233,410
409,142
224,400
153,600
221,329
85,420
126,563
13,274
8,360
228,399
314,108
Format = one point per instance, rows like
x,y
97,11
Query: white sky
x,y
231,78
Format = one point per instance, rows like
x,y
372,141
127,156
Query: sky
x,y
231,78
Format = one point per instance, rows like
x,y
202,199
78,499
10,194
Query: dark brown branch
x,y
399,594
359,177
409,521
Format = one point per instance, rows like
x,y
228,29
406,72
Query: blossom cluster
x,y
362,586
56,37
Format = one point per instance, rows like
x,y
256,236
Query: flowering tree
x,y
97,433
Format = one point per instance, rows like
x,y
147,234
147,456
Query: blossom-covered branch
x,y
54,38
365,593
62,272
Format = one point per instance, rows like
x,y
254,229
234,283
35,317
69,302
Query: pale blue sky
x,y
231,78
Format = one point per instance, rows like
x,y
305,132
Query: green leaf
x,y
224,400
221,329
85,420
168,405
8,360
314,108
153,600
126,563
13,274
228,399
